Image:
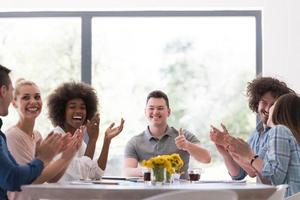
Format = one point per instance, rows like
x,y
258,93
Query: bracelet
x,y
254,158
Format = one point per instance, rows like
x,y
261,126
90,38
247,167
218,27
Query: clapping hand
x,y
112,131
74,143
49,147
245,164
239,147
92,127
218,137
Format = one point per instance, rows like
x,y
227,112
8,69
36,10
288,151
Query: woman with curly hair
x,y
262,93
71,106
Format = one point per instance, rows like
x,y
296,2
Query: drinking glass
x,y
194,174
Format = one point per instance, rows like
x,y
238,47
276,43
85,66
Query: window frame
x,y
86,27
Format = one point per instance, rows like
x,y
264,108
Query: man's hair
x,y
158,94
287,112
57,101
4,78
260,86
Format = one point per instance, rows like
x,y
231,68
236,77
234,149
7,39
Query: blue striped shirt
x,y
282,159
257,141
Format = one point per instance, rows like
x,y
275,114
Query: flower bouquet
x,y
163,166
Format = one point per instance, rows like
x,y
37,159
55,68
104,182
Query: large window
x,y
202,63
201,59
44,50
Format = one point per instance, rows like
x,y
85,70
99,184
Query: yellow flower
x,y
172,162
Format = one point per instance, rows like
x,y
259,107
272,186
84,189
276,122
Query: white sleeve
x,y
82,168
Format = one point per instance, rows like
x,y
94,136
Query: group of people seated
x,y
271,154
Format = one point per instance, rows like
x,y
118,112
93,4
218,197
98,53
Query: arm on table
x,y
131,167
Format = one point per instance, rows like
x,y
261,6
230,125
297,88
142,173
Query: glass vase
x,y
168,177
158,175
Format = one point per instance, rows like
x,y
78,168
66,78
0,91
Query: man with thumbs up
x,y
159,138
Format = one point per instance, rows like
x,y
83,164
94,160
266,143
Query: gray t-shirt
x,y
144,146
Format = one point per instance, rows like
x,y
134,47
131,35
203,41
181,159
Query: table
x,y
129,190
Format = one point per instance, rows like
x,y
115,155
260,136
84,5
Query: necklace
x,y
31,136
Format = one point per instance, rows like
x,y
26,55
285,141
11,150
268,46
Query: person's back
x,y
282,159
12,175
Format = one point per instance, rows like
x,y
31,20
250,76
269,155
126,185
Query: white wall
x,y
281,20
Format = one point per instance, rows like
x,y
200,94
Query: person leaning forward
x,y
13,175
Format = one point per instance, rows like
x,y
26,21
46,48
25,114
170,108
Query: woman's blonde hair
x,y
19,83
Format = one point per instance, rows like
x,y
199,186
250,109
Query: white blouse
x,y
81,167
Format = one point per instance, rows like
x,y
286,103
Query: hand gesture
x,y
244,164
180,141
239,147
49,147
74,143
112,131
92,127
218,137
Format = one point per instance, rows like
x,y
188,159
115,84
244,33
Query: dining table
x,y
137,189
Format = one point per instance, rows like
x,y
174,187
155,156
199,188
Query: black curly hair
x,y
261,85
57,101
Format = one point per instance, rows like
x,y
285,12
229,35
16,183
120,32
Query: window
x,y
201,59
202,63
44,50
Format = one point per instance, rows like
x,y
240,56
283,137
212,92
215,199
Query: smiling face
x,y
28,101
157,111
75,115
270,121
264,105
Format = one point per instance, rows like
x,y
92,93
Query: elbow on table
x,y
11,183
14,179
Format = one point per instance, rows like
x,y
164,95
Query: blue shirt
x,y
282,159
12,175
257,141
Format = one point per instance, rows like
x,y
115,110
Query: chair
x,y
294,197
279,193
195,195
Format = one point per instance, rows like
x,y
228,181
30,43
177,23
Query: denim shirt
x,y
258,143
12,175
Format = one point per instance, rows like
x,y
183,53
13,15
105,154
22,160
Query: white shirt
x,y
81,167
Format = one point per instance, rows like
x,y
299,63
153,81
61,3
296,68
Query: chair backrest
x,y
294,197
279,193
195,195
